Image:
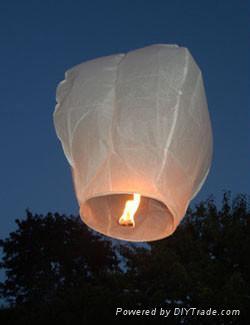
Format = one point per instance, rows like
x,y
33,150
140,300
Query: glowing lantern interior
x,y
103,213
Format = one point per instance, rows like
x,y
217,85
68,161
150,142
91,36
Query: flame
x,y
127,218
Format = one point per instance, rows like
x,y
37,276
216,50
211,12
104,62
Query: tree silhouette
x,y
59,270
47,254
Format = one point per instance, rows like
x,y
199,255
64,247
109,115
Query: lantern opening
x,y
107,214
127,218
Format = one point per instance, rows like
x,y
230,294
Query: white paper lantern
x,y
135,123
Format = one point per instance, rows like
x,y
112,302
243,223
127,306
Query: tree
x,y
47,254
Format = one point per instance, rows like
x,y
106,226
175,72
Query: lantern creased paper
x,y
135,123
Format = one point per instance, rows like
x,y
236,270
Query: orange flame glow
x,y
127,218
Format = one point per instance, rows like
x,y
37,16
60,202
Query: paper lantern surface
x,y
135,123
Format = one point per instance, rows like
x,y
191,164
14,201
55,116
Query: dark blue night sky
x,y
39,40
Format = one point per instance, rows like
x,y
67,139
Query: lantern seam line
x,y
72,133
192,98
146,76
96,174
205,175
157,89
107,159
122,56
58,109
176,110
198,80
96,106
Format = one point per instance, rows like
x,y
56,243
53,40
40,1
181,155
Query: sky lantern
x,y
136,132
